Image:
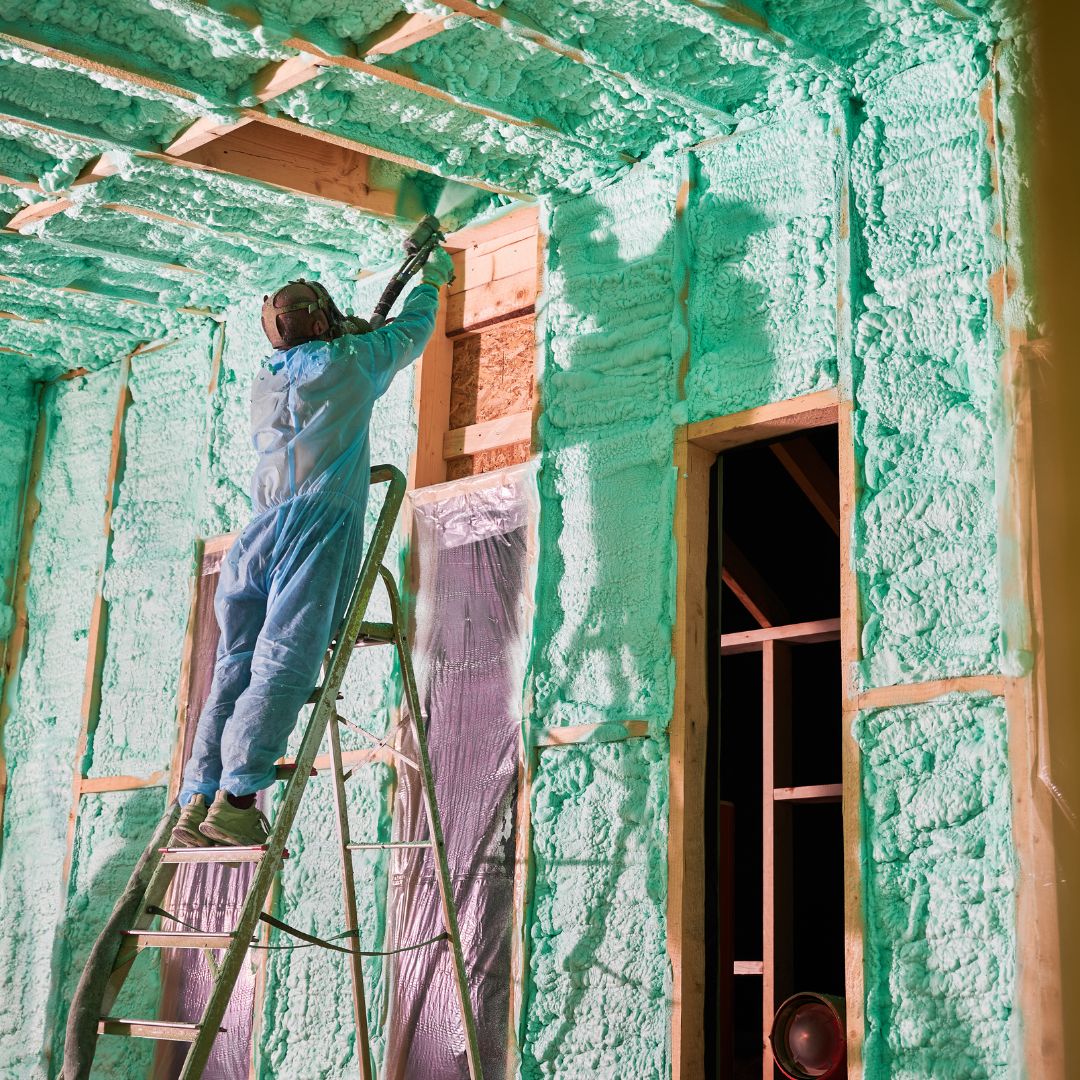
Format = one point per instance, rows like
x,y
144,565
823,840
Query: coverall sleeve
x,y
390,348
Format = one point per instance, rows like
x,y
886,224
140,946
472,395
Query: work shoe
x,y
186,830
227,824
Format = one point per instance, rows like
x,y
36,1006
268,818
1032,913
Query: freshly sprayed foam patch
x,y
763,241
940,890
58,347
147,580
597,963
926,358
331,18
450,140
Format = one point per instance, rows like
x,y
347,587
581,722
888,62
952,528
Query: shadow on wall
x,y
616,337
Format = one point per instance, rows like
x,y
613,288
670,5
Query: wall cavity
x,y
940,891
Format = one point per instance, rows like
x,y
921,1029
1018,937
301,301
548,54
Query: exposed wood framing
x,y
884,697
402,32
205,129
576,734
687,738
35,212
489,435
776,883
122,783
31,185
815,479
809,793
277,79
766,422
432,403
13,649
99,617
805,633
752,590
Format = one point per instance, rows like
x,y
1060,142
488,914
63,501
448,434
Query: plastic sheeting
x,y
474,540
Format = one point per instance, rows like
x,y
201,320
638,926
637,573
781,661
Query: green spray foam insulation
x,y
940,902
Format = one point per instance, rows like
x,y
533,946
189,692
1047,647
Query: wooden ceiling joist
x,y
205,129
402,32
95,252
35,212
242,115
752,590
816,480
30,185
116,297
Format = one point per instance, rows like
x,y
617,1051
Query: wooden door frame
x,y
696,448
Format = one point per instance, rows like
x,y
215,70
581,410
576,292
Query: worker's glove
x,y
439,269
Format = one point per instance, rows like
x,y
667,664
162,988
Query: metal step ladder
x,y
131,926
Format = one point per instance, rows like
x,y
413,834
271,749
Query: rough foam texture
x,y
598,971
763,234
17,425
29,156
42,731
112,833
91,103
58,347
603,633
201,50
940,891
331,18
479,63
150,561
682,48
451,141
925,381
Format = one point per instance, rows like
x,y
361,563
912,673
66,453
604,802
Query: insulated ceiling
x,y
161,158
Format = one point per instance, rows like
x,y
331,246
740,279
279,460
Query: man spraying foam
x,y
287,579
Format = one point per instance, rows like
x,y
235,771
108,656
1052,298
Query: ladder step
x,y
178,939
391,844
163,1030
315,695
285,772
375,633
216,854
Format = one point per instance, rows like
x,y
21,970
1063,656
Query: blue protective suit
x,y
287,579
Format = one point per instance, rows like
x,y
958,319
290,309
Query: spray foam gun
x,y
419,245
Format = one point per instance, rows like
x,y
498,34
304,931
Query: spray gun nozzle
x,y
426,230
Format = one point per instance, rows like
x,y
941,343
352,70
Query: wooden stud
x,y
884,697
489,435
402,32
752,590
30,185
35,212
98,631
13,649
815,479
428,465
766,422
122,783
850,755
183,696
806,633
605,732
687,738
99,168
809,793
776,899
205,129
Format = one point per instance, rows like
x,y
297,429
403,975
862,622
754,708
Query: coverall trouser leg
x,y
282,593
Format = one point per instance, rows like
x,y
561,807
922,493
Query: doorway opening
x,y
774,886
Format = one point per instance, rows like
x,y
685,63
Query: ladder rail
x,y
266,870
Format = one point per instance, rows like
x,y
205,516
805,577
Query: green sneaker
x,y
228,825
186,830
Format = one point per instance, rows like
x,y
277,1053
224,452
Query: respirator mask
x,y
289,315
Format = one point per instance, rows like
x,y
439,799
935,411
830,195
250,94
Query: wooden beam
x,y
747,967
30,185
489,435
35,212
205,129
285,75
99,784
815,479
805,633
13,649
752,590
63,292
687,738
402,32
604,732
98,631
766,422
295,161
885,697
809,793
432,404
